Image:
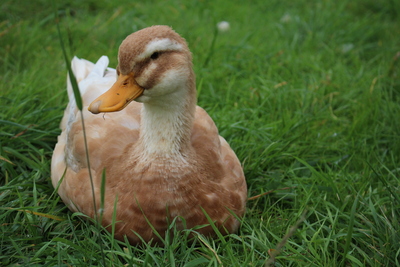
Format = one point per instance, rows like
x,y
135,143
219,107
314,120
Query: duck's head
x,y
152,63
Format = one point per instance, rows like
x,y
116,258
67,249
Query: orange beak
x,y
124,90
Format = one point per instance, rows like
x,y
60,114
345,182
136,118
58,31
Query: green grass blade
x,y
350,231
75,87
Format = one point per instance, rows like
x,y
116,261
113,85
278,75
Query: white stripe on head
x,y
159,45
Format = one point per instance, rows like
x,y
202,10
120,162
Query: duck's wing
x,y
107,135
219,158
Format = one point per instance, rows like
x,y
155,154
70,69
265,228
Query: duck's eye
x,y
155,55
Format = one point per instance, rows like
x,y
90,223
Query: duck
x,y
159,155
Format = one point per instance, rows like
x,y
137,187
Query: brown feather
x,y
159,188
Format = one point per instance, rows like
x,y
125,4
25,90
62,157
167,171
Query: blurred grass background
x,y
306,92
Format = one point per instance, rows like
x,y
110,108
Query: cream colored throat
x,y
165,128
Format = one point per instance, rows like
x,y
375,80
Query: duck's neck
x,y
166,125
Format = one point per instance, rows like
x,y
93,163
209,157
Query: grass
x,y
306,92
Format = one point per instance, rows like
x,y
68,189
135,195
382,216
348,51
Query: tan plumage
x,y
163,157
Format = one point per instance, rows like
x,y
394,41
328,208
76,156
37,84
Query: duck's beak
x,y
124,90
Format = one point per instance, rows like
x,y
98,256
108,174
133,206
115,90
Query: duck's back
x,y
106,135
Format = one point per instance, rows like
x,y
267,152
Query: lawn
x,y
306,92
